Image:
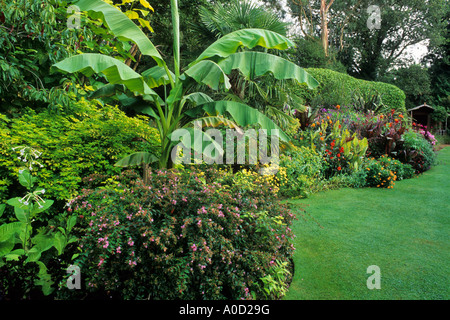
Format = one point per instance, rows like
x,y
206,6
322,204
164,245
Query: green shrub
x,y
185,235
417,151
401,170
381,173
300,169
72,146
338,88
31,254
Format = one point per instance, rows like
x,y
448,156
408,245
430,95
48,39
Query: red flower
x,y
339,168
338,155
342,149
332,144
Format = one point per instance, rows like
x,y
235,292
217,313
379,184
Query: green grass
x,y
404,231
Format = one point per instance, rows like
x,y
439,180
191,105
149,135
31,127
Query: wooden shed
x,y
422,114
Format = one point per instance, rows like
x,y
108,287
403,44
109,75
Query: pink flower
x,y
101,262
194,247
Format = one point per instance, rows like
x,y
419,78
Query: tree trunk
x,y
324,9
324,25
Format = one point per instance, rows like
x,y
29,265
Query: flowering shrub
x,y
382,173
425,133
343,151
185,235
378,175
401,170
383,132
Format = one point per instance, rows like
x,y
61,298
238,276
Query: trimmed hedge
x,y
336,88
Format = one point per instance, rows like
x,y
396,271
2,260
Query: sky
x,y
415,52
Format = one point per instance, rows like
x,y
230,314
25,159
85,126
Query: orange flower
x,y
321,138
313,125
401,116
338,107
396,120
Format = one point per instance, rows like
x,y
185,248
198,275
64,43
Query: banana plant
x,y
165,95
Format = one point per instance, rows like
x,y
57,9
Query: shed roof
x,y
421,106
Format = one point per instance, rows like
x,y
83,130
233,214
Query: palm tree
x,y
221,19
275,98
174,106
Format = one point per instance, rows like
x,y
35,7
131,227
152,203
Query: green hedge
x,y
337,88
73,146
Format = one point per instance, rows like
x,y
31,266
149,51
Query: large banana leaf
x,y
157,76
108,90
248,38
215,121
242,114
254,64
120,25
196,98
198,141
116,72
209,73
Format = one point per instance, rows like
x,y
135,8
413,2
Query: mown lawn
x,y
405,231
